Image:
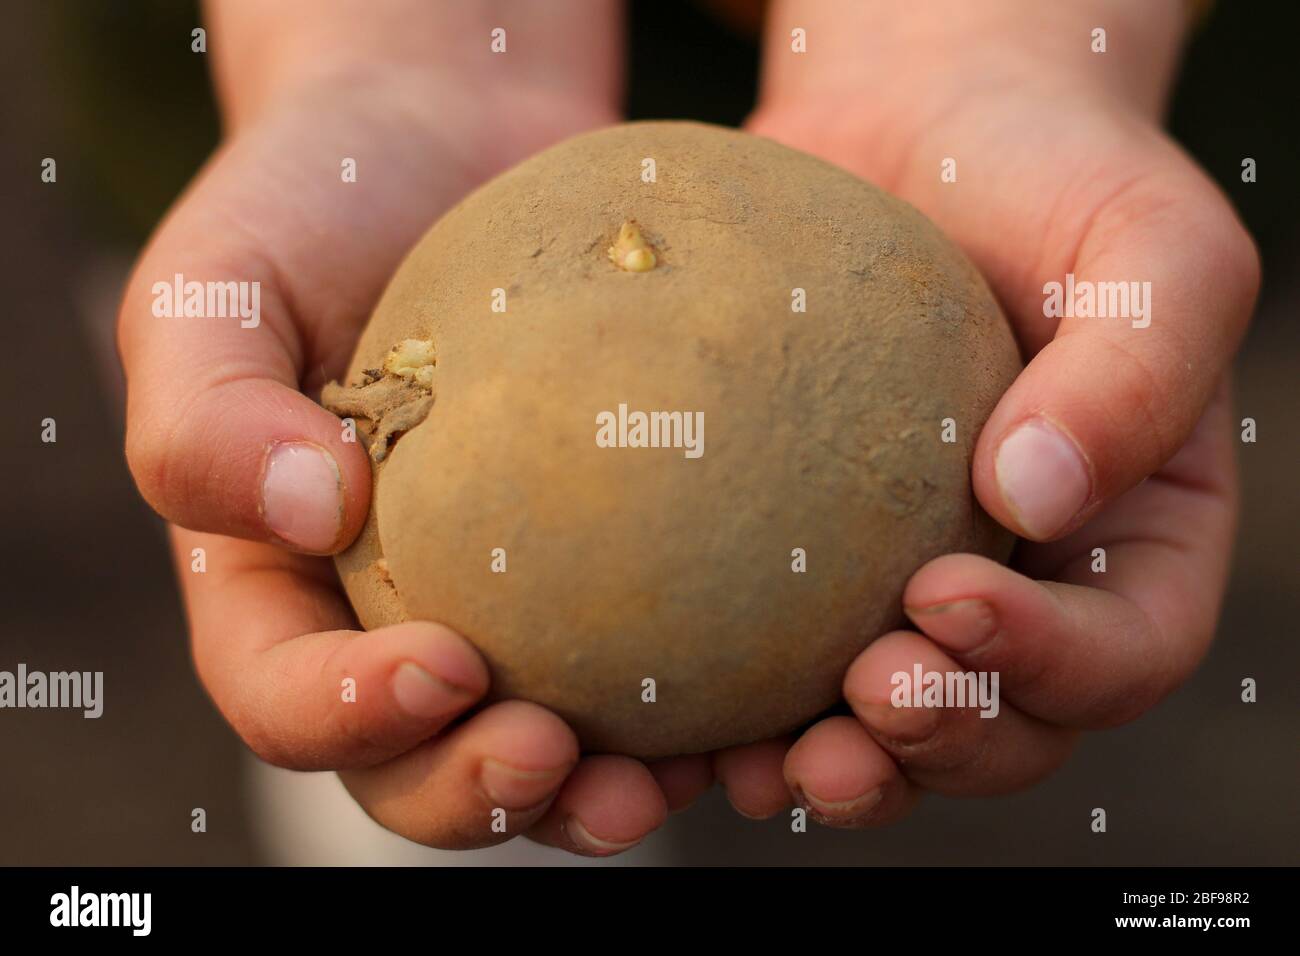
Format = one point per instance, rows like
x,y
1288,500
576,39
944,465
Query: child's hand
x,y
223,443
1114,437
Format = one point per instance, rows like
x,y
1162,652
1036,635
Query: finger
x,y
1110,639
607,806
843,778
218,436
274,645
971,747
1189,505
752,777
682,779
1109,400
486,781
1073,655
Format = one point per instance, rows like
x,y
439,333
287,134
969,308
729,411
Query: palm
x,y
329,245
1041,190
274,207
1032,213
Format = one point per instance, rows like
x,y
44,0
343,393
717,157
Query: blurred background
x,y
112,91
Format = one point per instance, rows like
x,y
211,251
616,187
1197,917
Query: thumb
x,y
1109,400
218,437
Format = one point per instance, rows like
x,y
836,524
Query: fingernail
x,y
423,695
747,814
302,495
960,626
1042,476
844,811
584,838
905,726
515,789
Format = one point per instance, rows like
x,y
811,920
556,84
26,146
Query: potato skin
x,y
822,432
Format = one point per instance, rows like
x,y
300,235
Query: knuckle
x,y
271,748
359,730
350,729
253,717
441,827
164,458
1241,255
1128,701
1124,707
156,457
148,459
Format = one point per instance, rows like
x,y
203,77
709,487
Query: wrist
x,y
945,49
476,131
563,52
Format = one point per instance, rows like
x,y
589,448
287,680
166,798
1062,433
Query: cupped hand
x,y
259,485
1116,442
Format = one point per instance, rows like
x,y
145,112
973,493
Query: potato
x,y
832,358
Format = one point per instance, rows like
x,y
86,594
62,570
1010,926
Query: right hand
x,y
224,444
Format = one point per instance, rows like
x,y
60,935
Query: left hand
x,y
1113,437
212,404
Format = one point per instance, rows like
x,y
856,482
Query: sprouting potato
x,y
825,339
